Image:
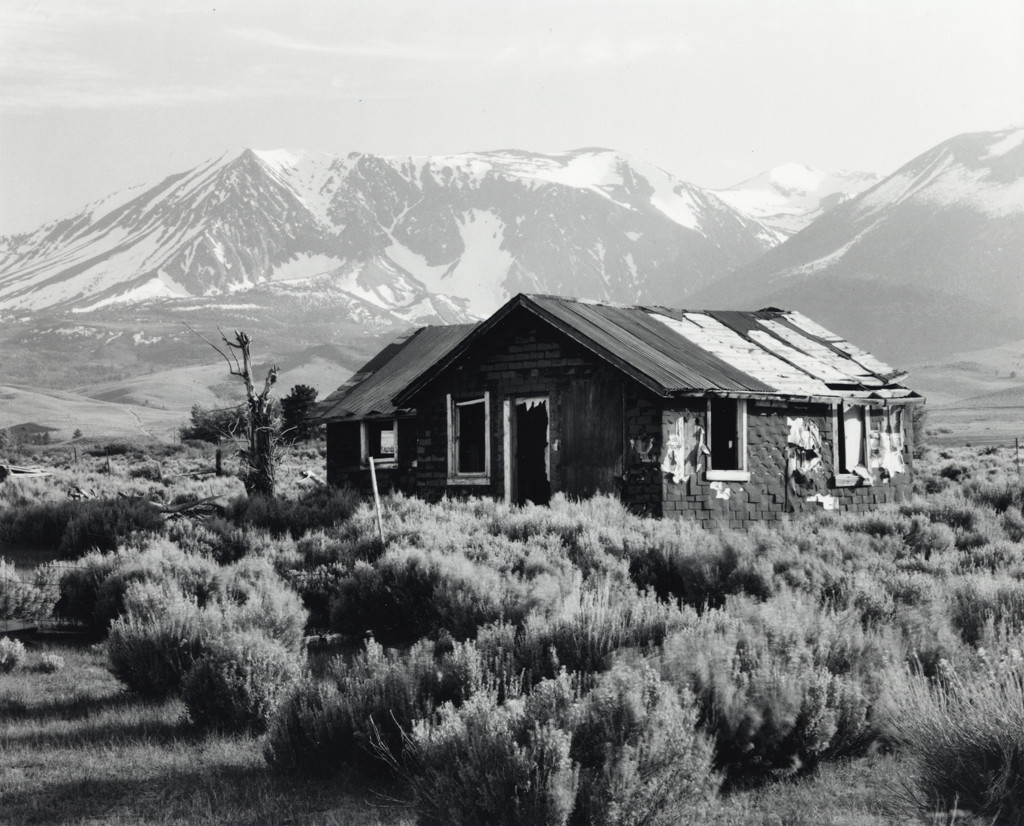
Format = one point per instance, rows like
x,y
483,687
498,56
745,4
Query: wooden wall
x,y
525,357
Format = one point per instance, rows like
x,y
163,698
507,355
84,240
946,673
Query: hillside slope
x,y
927,261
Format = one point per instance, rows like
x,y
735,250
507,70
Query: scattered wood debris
x,y
78,493
196,508
202,472
22,472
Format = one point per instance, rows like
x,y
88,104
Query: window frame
x,y
843,476
454,475
364,444
742,473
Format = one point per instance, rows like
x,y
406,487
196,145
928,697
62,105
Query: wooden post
x,y
1016,443
220,462
376,500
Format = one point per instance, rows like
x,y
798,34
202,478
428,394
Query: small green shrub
x,y
955,472
685,563
225,542
50,663
978,600
238,682
150,471
781,685
964,734
592,625
33,598
319,508
73,528
356,718
160,563
104,524
317,588
264,603
80,585
152,646
1013,524
410,593
996,495
642,758
115,449
12,654
486,762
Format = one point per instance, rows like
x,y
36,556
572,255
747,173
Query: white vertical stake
x,y
376,500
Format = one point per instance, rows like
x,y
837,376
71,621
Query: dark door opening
x,y
532,483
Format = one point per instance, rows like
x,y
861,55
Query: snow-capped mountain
x,y
426,237
930,260
790,197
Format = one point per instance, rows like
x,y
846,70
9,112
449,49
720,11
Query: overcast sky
x,y
97,96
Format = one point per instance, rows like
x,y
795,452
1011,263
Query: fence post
x,y
376,500
1016,444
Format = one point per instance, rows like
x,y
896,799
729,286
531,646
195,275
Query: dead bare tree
x,y
262,424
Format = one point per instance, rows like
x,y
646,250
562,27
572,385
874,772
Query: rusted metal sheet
x,y
371,390
633,338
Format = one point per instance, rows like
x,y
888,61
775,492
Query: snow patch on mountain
x,y
1012,139
472,276
305,265
587,170
160,285
308,173
789,197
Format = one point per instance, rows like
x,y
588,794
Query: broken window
x,y
727,438
380,440
468,443
852,432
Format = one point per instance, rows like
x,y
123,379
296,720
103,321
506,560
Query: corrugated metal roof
x,y
771,351
636,341
676,352
371,390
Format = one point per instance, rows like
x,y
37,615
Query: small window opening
x,y
470,424
381,440
728,446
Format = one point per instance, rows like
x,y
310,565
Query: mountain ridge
x,y
926,261
476,227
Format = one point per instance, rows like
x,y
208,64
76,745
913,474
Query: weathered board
x,y
591,449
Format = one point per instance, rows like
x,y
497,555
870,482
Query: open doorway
x,y
529,463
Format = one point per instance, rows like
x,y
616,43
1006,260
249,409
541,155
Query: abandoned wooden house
x,y
725,417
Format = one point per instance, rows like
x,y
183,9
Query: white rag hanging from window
x,y
685,450
806,440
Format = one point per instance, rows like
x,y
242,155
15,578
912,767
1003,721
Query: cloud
x,y
381,49
489,48
55,53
